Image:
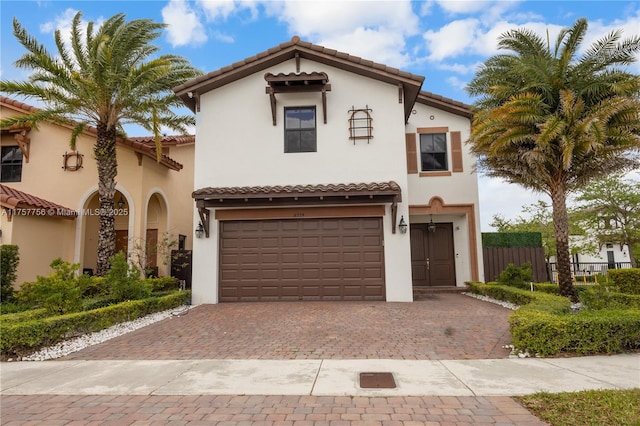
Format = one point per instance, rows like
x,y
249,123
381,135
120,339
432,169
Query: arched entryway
x,y
89,227
157,236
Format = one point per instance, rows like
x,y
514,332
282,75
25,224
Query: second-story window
x,y
300,129
11,164
433,152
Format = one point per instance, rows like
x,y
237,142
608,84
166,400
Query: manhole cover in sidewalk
x,y
377,380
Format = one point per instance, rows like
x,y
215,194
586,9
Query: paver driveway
x,y
443,326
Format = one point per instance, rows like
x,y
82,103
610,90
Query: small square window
x,y
433,152
300,129
11,166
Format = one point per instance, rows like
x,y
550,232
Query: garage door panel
x,y
301,259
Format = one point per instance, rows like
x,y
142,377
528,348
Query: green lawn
x,y
592,408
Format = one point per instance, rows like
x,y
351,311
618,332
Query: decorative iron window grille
x,y
72,161
360,124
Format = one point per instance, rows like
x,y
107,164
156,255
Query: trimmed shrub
x,y
163,284
604,297
627,280
584,333
544,324
23,337
59,293
516,275
9,260
124,280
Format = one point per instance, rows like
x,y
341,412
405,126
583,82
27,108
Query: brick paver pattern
x,y
262,410
443,326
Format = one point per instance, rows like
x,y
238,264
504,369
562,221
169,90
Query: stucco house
x,y
49,195
324,176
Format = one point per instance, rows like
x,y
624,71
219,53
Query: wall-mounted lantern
x,y
121,202
199,230
432,226
402,226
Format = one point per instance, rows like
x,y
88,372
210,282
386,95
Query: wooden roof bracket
x,y
24,143
400,92
205,215
298,62
139,155
394,215
272,100
324,103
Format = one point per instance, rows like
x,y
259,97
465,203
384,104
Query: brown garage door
x,y
301,259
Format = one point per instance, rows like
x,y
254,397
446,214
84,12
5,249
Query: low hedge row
x,y
522,297
627,280
583,333
25,337
544,324
603,297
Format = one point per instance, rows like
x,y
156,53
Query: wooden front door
x,y
122,241
432,255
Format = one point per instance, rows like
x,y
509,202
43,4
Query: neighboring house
x,y
308,163
49,195
608,256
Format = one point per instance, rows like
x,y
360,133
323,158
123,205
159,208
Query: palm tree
x,y
551,121
105,78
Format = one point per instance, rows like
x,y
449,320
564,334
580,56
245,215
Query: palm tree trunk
x,y
561,228
105,153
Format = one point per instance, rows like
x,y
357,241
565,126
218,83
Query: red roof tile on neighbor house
x,y
13,199
171,140
132,143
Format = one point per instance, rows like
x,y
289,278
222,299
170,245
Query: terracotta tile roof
x,y
340,190
171,140
446,104
131,143
411,83
30,205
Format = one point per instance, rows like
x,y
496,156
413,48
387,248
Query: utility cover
x,y
377,380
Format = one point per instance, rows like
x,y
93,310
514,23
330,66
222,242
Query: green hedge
x,y
544,324
585,333
627,280
24,337
511,239
604,297
521,296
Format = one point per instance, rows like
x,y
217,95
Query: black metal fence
x,y
587,271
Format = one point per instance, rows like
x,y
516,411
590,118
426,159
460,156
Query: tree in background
x,y
538,217
107,78
610,209
550,120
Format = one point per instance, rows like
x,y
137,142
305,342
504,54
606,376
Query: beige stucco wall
x,y
53,237
44,177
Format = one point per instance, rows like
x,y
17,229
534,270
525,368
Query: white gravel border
x,y
508,305
73,345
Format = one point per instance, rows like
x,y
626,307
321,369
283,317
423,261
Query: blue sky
x,y
442,40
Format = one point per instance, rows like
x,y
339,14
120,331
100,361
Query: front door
x,y
432,255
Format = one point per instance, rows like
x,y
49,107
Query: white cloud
x,y
183,25
454,39
372,30
505,199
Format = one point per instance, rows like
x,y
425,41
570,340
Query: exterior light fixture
x,y
121,202
402,226
199,230
432,226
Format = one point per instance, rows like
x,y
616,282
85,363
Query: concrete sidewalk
x,y
330,377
